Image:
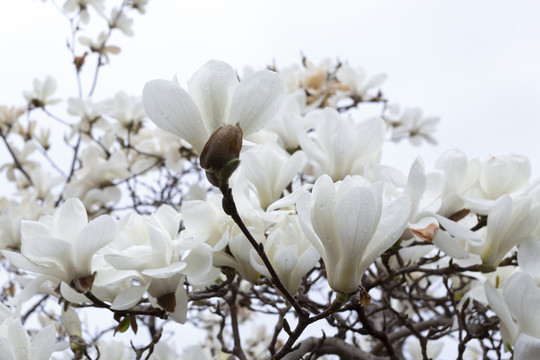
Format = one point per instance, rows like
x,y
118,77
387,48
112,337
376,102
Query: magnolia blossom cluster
x,y
296,199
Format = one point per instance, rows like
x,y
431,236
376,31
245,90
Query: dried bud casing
x,y
223,146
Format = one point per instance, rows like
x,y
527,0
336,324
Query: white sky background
x,y
476,64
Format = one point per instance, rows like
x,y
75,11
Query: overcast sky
x,y
476,64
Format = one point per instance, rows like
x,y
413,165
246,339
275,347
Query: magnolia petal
x,y
323,218
165,272
256,100
457,230
528,255
32,228
44,344
21,262
180,310
355,223
69,220
449,245
122,262
19,338
393,221
306,261
129,297
71,295
527,347
211,88
454,164
256,262
522,296
496,302
197,214
416,183
199,260
168,218
171,108
6,349
285,260
497,225
98,233
303,207
49,251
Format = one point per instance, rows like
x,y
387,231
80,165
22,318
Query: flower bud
x,y
220,154
223,146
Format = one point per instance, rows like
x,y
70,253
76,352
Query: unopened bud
x,y
221,152
223,146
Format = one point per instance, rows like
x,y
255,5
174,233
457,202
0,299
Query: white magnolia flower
x,y
9,117
11,214
128,110
519,313
350,226
63,245
497,176
356,84
215,97
413,125
119,20
82,6
96,188
205,221
510,221
343,146
15,344
425,192
269,177
149,247
42,93
290,253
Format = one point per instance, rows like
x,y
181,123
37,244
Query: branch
x,y
335,346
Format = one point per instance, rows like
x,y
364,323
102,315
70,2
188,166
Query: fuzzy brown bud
x,y
223,146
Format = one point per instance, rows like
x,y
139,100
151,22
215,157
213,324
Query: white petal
x,y
171,108
165,272
324,219
355,218
49,251
129,297
44,344
21,262
71,295
6,349
199,260
522,296
98,233
180,311
449,245
211,88
256,100
497,304
169,219
527,347
19,339
393,221
303,207
457,230
528,255
69,220
32,228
